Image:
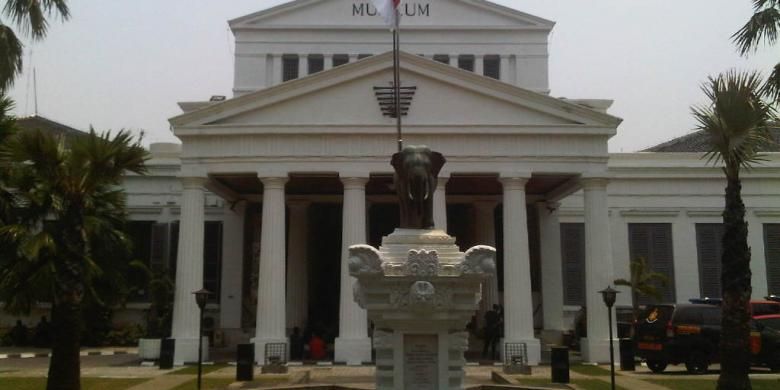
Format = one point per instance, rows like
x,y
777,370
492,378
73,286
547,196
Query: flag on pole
x,y
388,10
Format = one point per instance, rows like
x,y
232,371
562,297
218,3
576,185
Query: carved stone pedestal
x,y
420,291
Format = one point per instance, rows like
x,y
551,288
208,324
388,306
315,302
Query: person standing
x,y
491,334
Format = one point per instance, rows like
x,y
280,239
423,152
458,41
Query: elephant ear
x,y
397,161
437,161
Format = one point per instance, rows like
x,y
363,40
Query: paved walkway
x,y
163,382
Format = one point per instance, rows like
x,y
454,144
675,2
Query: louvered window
x,y
316,63
290,67
466,62
573,257
340,59
653,242
710,249
772,253
443,58
493,66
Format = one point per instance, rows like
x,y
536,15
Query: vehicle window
x,y
688,315
657,314
762,309
773,323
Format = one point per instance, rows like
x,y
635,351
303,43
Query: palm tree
x,y
763,26
737,122
30,17
644,282
68,209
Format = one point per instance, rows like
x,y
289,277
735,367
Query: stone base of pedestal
x,y
186,351
353,352
533,349
260,349
597,351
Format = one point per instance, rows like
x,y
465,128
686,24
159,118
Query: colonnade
x,y
279,306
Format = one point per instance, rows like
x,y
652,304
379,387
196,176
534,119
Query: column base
x,y
353,351
551,337
533,346
597,351
186,351
260,348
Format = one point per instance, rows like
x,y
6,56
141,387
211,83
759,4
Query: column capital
x,y
274,182
192,182
594,182
354,182
513,183
442,181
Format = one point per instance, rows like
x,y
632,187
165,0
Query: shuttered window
x,y
573,257
492,66
710,249
772,253
466,62
653,242
340,59
290,69
316,63
443,58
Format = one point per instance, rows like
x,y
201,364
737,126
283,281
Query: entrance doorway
x,y
324,269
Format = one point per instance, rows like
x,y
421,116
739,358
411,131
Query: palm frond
x,y
11,57
763,26
30,16
771,88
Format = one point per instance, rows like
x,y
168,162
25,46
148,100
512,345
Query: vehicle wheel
x,y
697,363
656,366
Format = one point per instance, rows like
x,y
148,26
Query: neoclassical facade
x,y
271,186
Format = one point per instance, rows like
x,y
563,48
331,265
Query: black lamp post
x,y
201,296
610,295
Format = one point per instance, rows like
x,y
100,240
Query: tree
x,y
30,17
737,122
763,26
67,215
644,282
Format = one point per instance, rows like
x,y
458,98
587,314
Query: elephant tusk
x,y
427,193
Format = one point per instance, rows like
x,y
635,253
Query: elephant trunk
x,y
418,189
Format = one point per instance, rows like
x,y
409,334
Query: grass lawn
x,y
193,370
10,383
208,384
589,370
705,384
586,384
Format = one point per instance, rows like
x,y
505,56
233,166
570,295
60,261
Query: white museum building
x,y
284,176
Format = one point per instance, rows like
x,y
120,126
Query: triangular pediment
x,y
344,96
415,14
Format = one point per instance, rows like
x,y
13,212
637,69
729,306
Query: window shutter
x,y
772,252
653,242
159,251
573,257
709,245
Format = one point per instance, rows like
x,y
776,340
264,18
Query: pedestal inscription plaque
x,y
421,357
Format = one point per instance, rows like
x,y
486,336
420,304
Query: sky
x,y
125,64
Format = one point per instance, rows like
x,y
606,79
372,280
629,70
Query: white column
x,y
189,271
276,60
328,61
485,234
270,287
297,266
303,65
440,204
353,58
504,71
454,60
353,345
598,269
479,65
552,272
518,305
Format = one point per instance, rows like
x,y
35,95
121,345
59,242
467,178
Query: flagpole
x,y
397,78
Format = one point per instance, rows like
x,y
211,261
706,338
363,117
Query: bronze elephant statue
x,y
416,172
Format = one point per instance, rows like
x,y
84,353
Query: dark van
x,y
678,333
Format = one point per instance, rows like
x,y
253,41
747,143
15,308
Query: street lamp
x,y
201,296
610,295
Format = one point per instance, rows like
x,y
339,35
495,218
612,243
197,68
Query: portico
x,y
508,150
